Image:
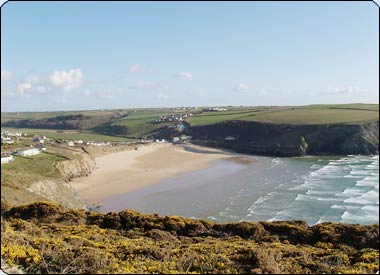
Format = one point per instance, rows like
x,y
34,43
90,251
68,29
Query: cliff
x,y
46,238
79,167
46,178
288,140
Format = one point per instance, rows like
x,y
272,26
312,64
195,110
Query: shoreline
x,y
129,170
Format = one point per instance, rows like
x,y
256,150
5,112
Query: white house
x,y
6,159
230,138
175,139
70,143
28,152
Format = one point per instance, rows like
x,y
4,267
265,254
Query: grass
x,y
312,116
67,134
43,164
306,115
216,117
41,115
140,123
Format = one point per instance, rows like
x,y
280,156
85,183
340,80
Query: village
x,y
25,145
172,118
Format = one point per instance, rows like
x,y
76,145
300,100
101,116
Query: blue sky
x,y
82,55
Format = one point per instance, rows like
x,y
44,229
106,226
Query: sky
x,y
104,55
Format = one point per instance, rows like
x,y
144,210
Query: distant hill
x,y
268,130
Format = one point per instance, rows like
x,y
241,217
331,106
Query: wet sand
x,y
123,172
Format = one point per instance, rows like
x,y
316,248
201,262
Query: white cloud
x,y
136,68
162,96
343,90
147,85
27,88
6,75
241,87
67,80
24,88
182,75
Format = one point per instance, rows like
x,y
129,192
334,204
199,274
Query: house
x,y
181,126
41,147
184,137
7,141
28,152
230,138
70,143
6,158
39,139
175,139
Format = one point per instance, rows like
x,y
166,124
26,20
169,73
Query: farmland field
x,y
308,115
67,134
130,124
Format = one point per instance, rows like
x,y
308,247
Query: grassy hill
x,y
68,134
305,115
100,125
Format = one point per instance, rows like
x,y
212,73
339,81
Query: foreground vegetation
x,y
46,238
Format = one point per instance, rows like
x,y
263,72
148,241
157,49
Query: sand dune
x,y
122,172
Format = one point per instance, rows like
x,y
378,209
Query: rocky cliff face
x,y
290,140
80,167
56,191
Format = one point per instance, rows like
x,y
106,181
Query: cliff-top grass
x,y
305,115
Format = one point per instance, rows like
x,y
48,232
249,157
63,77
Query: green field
x,y
42,164
310,116
306,115
216,117
67,134
139,122
41,115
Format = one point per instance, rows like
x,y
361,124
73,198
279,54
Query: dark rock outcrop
x,y
290,140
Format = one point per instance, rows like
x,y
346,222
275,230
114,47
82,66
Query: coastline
x,y
130,170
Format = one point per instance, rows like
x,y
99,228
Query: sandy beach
x,y
126,171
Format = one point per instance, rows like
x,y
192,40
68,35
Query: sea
x,y
313,189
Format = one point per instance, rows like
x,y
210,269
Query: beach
x,y
126,171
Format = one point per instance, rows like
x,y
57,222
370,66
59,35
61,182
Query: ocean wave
x,y
359,217
368,181
371,208
360,172
301,197
358,200
336,206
